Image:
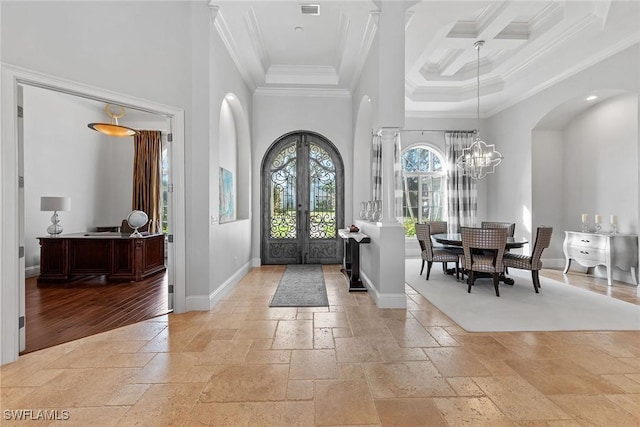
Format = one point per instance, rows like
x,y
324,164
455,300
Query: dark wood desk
x,y
116,255
351,261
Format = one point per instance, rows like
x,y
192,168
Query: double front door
x,y
302,201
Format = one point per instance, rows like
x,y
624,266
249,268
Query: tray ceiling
x,y
529,45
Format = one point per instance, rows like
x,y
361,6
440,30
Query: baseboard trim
x,y
206,303
383,300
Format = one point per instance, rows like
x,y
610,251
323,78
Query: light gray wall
x,y
601,166
548,192
510,189
165,52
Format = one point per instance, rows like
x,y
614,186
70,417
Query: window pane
x,y
424,188
322,197
283,194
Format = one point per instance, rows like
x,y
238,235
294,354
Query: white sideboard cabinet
x,y
592,249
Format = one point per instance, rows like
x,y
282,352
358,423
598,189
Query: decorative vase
x,y
377,210
363,210
369,214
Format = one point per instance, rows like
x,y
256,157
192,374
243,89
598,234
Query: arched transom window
x,y
424,192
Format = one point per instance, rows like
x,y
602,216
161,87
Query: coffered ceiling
x,y
284,46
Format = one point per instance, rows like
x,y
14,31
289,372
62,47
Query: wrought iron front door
x,y
302,201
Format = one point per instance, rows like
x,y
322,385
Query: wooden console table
x,y
610,250
116,255
351,261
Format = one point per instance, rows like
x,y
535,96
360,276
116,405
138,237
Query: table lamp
x,y
55,204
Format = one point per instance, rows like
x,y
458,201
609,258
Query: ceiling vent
x,y
310,9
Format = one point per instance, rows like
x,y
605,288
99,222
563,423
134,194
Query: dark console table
x,y
116,255
351,262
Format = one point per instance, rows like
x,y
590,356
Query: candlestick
x,y
598,219
584,218
585,226
614,219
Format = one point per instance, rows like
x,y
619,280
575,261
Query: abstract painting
x,y
227,204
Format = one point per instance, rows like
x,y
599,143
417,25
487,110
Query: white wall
x,y
227,148
601,166
548,192
510,188
165,52
63,157
276,115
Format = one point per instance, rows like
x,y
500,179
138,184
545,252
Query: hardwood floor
x,y
62,312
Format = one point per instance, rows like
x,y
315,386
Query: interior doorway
x,y
45,324
302,201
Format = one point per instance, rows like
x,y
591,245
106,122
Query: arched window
x,y
424,181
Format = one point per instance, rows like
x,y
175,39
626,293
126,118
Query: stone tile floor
x,y
245,364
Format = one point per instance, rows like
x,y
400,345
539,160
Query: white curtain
x,y
376,167
461,189
398,175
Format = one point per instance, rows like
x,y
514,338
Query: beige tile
x,y
323,338
406,379
313,364
629,402
356,350
258,414
465,386
595,411
235,383
175,368
268,356
300,390
518,400
561,376
471,411
456,362
410,333
128,395
330,320
344,402
622,382
393,352
409,412
257,329
441,335
293,334
170,403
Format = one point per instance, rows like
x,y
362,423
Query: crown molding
x,y
313,75
255,35
365,46
302,91
581,66
421,114
229,42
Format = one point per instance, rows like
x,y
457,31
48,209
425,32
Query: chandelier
x,y
113,128
480,158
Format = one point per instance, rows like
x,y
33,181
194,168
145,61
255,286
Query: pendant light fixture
x,y
113,128
480,158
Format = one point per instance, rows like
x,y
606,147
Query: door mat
x,y
301,286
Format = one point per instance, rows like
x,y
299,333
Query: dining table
x,y
455,240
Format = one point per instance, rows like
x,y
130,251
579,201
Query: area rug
x,y
301,286
558,306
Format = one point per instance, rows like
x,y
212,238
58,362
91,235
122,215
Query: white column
x,y
388,141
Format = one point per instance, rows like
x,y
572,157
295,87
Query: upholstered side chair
x,y
431,254
510,226
483,250
532,262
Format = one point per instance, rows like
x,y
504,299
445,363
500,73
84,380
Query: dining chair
x,y
431,254
510,226
483,250
531,262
